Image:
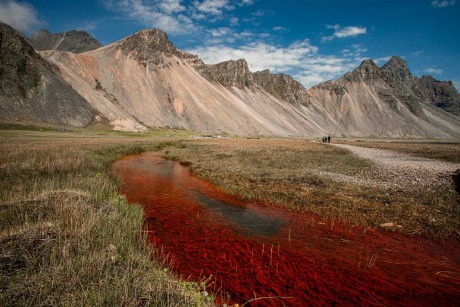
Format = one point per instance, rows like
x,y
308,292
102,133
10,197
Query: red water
x,y
250,250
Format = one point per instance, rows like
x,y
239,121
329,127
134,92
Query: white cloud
x,y
279,28
172,6
300,59
162,14
339,32
443,3
176,16
214,7
88,25
220,31
382,60
246,2
308,79
258,13
259,55
21,16
434,71
233,21
354,50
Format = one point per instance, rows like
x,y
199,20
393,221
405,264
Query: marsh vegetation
x,y
68,237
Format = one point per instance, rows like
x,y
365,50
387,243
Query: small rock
x,y
112,249
390,224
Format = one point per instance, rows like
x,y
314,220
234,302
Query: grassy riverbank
x,y
67,237
307,176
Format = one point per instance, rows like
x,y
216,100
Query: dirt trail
x,y
395,169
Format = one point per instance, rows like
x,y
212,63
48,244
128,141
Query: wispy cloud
x,y
382,60
279,28
163,14
300,59
443,3
214,7
417,53
258,13
21,16
234,21
259,55
342,32
172,6
434,71
177,16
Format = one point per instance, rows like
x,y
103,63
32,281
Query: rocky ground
x,y
395,170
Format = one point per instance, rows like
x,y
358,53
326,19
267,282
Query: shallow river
x,y
249,250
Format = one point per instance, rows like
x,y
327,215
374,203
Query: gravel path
x,y
398,170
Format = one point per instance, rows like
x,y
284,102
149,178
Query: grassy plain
x,y
68,238
288,173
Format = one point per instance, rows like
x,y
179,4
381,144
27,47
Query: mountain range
x,y
144,81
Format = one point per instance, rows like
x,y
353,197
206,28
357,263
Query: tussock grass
x,y
285,173
68,238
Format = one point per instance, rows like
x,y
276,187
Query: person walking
x,y
328,138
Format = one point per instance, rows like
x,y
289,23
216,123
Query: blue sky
x,y
312,40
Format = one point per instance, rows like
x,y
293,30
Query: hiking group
x,y
327,139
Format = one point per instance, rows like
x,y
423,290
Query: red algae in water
x,y
249,250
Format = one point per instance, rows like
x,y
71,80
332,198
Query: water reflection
x,y
252,223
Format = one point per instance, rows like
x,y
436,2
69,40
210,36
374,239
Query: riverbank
x,y
67,237
334,183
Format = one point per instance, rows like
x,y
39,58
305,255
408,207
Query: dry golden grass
x,y
283,172
67,237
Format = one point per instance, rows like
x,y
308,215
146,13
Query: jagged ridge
x,y
72,41
32,89
147,81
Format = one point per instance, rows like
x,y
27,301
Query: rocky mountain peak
x,y
442,94
151,46
71,41
234,73
264,72
32,89
151,38
15,55
41,32
397,72
367,67
367,71
397,61
282,86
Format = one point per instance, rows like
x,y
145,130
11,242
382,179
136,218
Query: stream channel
x,y
248,250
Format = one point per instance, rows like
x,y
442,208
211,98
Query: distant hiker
x,y
324,139
328,138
